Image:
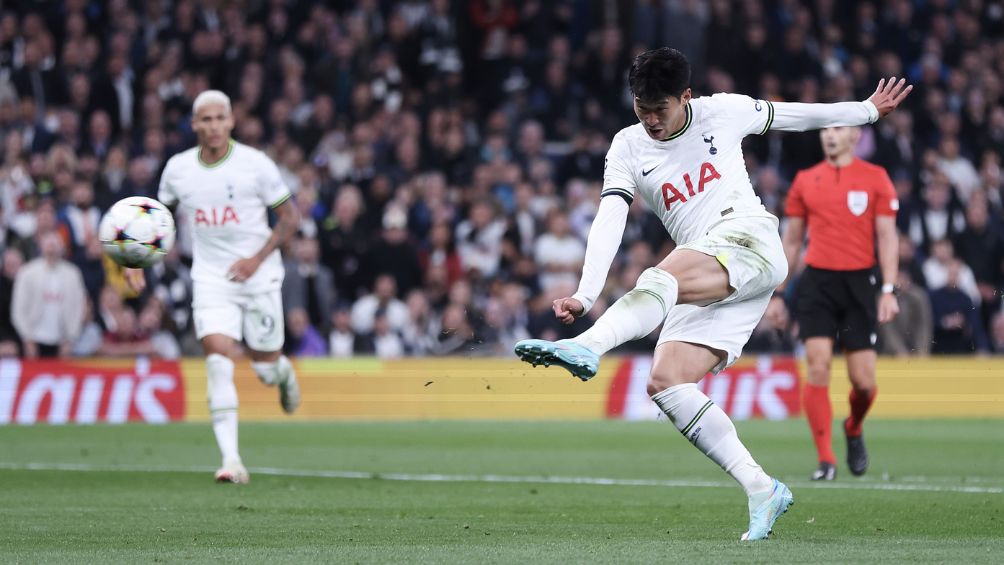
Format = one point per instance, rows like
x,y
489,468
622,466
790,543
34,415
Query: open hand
x,y
567,309
243,269
889,95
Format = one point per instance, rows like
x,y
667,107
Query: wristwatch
x,y
888,288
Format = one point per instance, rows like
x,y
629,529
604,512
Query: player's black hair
x,y
659,73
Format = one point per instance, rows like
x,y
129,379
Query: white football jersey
x,y
697,176
225,206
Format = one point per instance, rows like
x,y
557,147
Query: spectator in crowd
x,y
48,301
909,334
980,246
305,340
479,240
151,324
911,260
80,218
394,253
938,265
127,339
441,251
10,342
342,341
559,254
383,298
457,333
419,333
308,285
957,325
345,243
508,314
387,342
171,284
91,335
938,217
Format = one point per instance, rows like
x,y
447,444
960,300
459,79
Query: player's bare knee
x,y
819,371
660,380
218,344
863,383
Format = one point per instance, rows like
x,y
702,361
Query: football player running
x,y
684,159
224,190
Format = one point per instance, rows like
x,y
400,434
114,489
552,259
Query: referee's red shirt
x,y
840,205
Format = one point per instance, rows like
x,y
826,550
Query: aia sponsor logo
x,y
58,392
671,193
215,217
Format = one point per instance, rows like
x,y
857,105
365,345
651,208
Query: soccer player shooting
x,y
684,159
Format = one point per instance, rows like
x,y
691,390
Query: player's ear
x,y
686,96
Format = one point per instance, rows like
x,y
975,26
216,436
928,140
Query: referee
x,y
845,204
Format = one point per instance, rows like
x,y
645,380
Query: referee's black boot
x,y
857,454
826,472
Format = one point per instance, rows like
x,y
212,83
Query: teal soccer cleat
x,y
579,361
766,508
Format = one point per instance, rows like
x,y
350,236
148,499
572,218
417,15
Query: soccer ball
x,y
137,232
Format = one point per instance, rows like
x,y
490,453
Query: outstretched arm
x,y
793,116
604,239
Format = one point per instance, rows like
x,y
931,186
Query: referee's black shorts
x,y
842,305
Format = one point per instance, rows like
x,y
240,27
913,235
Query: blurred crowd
x,y
447,156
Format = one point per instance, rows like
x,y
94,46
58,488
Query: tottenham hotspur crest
x,y
710,140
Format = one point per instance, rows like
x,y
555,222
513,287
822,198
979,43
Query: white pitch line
x,y
510,479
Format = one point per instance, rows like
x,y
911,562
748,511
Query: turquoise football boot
x,y
579,360
766,508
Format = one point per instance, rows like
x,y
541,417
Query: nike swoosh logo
x,y
645,173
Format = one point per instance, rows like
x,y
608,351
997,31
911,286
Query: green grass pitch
x,y
489,492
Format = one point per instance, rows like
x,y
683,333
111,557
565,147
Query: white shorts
x,y
750,250
254,317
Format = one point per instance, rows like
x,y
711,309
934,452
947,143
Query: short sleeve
x,y
271,189
794,204
618,179
166,192
887,201
749,115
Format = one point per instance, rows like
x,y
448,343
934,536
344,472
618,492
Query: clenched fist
x,y
567,309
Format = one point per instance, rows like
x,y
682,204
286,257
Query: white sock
x,y
635,314
223,405
706,426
